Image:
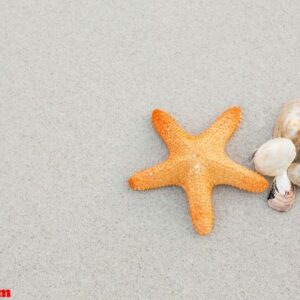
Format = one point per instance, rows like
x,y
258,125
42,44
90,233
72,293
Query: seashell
x,y
294,173
282,194
274,157
288,123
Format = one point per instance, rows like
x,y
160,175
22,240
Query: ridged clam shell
x,y
288,123
281,200
294,173
274,157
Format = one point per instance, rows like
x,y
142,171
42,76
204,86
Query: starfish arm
x,y
224,126
169,130
157,176
240,177
199,194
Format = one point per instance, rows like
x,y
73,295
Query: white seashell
x,y
288,123
282,194
294,173
274,157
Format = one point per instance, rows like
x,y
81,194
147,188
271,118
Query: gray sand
x,y
78,82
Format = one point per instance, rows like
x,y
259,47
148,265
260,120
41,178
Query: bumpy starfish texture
x,y
198,164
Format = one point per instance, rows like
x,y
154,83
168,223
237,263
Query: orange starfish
x,y
197,164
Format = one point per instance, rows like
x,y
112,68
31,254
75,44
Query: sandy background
x,y
78,82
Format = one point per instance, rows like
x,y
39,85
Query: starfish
x,y
198,163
